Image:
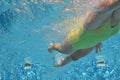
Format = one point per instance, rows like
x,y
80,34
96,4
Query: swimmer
x,y
100,24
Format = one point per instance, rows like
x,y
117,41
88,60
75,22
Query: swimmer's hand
x,y
51,48
98,47
60,63
58,60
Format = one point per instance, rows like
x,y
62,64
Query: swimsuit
x,y
80,38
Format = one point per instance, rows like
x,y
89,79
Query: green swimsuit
x,y
81,38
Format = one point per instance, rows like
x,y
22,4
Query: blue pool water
x,y
28,26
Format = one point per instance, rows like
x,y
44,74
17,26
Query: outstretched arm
x,y
75,56
78,54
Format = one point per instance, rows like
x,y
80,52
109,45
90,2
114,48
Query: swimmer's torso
x,y
81,38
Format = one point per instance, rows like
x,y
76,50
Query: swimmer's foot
x,y
52,47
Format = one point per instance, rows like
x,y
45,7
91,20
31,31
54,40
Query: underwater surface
x,y
28,26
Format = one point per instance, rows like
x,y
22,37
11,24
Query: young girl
x,y
101,23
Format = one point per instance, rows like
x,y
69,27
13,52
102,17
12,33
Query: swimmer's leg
x,y
74,56
115,18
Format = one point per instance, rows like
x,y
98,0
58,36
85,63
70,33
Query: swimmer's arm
x,y
100,13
